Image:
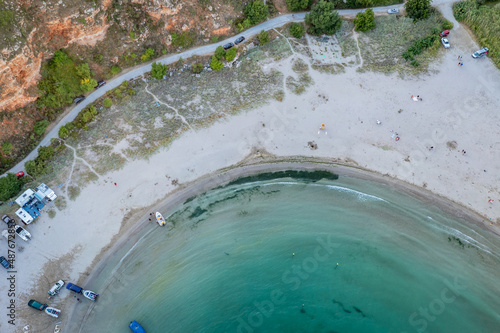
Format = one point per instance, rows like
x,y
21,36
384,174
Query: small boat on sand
x,y
90,295
53,312
136,327
160,219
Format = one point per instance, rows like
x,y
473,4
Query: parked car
x,y
79,99
25,235
74,287
445,43
239,40
393,11
228,46
56,288
444,33
480,53
100,84
10,222
20,174
4,262
37,305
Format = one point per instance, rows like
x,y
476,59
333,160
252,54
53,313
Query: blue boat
x,y
136,327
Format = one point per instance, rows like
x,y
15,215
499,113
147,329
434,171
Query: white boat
x,y
160,219
90,295
53,312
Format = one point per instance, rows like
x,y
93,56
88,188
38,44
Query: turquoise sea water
x,y
288,255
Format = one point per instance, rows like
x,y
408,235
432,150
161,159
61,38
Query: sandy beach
x,y
444,149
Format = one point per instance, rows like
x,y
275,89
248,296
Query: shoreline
x,y
254,165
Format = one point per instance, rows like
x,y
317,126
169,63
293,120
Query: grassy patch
x,y
61,203
51,213
298,86
73,192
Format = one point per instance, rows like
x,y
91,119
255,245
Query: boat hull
x,y
160,219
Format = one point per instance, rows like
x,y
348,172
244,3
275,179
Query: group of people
x,y
460,62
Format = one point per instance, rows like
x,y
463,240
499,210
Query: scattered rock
x,y
312,145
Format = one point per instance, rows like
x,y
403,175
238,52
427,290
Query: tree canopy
x,y
365,21
418,9
256,11
323,18
297,30
9,186
158,70
297,5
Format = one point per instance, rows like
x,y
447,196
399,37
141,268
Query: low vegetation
x,y
40,165
419,45
256,11
484,21
297,30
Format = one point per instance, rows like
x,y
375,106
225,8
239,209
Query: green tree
x,y
231,54
256,11
63,132
158,70
147,55
215,64
297,30
365,21
323,18
197,68
6,148
107,103
115,70
88,84
418,9
263,37
220,52
40,126
297,5
9,186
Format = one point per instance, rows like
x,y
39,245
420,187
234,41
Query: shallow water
x,y
289,255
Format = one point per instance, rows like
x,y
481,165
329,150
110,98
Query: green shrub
x,y
419,45
256,11
263,37
365,21
414,63
446,25
9,186
297,30
245,24
6,148
298,5
39,165
197,68
63,132
115,70
220,52
132,35
107,103
231,54
323,18
147,55
158,70
184,39
215,64
41,126
418,9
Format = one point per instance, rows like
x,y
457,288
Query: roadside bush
x,y
184,39
147,55
6,148
197,68
115,70
85,116
323,18
220,52
231,54
414,63
215,64
419,45
63,132
9,186
38,166
418,9
297,5
244,24
365,21
40,126
263,37
158,70
446,25
107,103
256,11
297,30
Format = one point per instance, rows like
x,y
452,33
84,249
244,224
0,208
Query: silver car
x,y
445,43
393,11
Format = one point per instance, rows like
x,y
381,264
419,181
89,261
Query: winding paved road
x,y
202,50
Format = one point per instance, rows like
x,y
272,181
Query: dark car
x,y
78,99
10,222
444,33
37,305
100,84
74,287
239,40
228,46
4,262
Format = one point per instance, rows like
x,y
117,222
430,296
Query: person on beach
x,y
322,128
